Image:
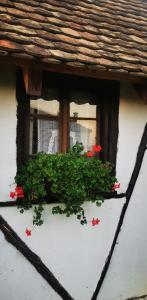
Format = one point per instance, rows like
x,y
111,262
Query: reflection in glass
x,y
82,111
83,104
83,131
83,119
50,108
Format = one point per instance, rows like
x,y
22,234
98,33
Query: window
x,y
70,109
75,120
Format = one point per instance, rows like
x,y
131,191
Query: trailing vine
x,y
67,178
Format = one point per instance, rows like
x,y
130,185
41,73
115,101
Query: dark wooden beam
x,y
145,95
137,297
23,110
33,81
138,163
17,202
142,91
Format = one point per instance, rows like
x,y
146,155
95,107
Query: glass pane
x,y
50,108
83,131
44,136
82,111
82,105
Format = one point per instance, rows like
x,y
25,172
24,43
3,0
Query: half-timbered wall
x,y
127,274
76,255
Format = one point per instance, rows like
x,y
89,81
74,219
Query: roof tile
x,y
89,52
71,32
65,47
67,39
137,39
36,51
10,46
16,12
30,24
22,56
99,35
62,55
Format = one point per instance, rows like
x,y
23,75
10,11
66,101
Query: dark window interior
x,y
70,109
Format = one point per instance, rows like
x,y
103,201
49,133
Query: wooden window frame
x,y
107,113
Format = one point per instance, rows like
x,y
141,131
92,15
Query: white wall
x,y
7,131
18,279
76,254
127,275
132,120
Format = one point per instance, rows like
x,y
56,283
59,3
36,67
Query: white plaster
x,y
127,274
7,131
19,279
132,120
74,253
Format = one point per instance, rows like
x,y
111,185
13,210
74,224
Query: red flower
x,y
95,221
19,192
96,148
116,186
18,189
28,232
89,154
12,195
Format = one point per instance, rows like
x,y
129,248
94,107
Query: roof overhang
x,y
87,71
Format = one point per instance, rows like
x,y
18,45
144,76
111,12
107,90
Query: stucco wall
x,y
132,120
76,254
8,123
19,280
127,275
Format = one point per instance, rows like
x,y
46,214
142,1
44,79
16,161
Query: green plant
x,y
70,178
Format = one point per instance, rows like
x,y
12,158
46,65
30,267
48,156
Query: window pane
x,y
50,108
82,111
83,131
44,136
82,105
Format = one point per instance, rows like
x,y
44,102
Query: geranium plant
x,y
69,179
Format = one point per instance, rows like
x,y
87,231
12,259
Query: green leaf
x,y
71,177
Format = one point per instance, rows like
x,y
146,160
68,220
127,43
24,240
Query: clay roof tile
x,y
102,35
